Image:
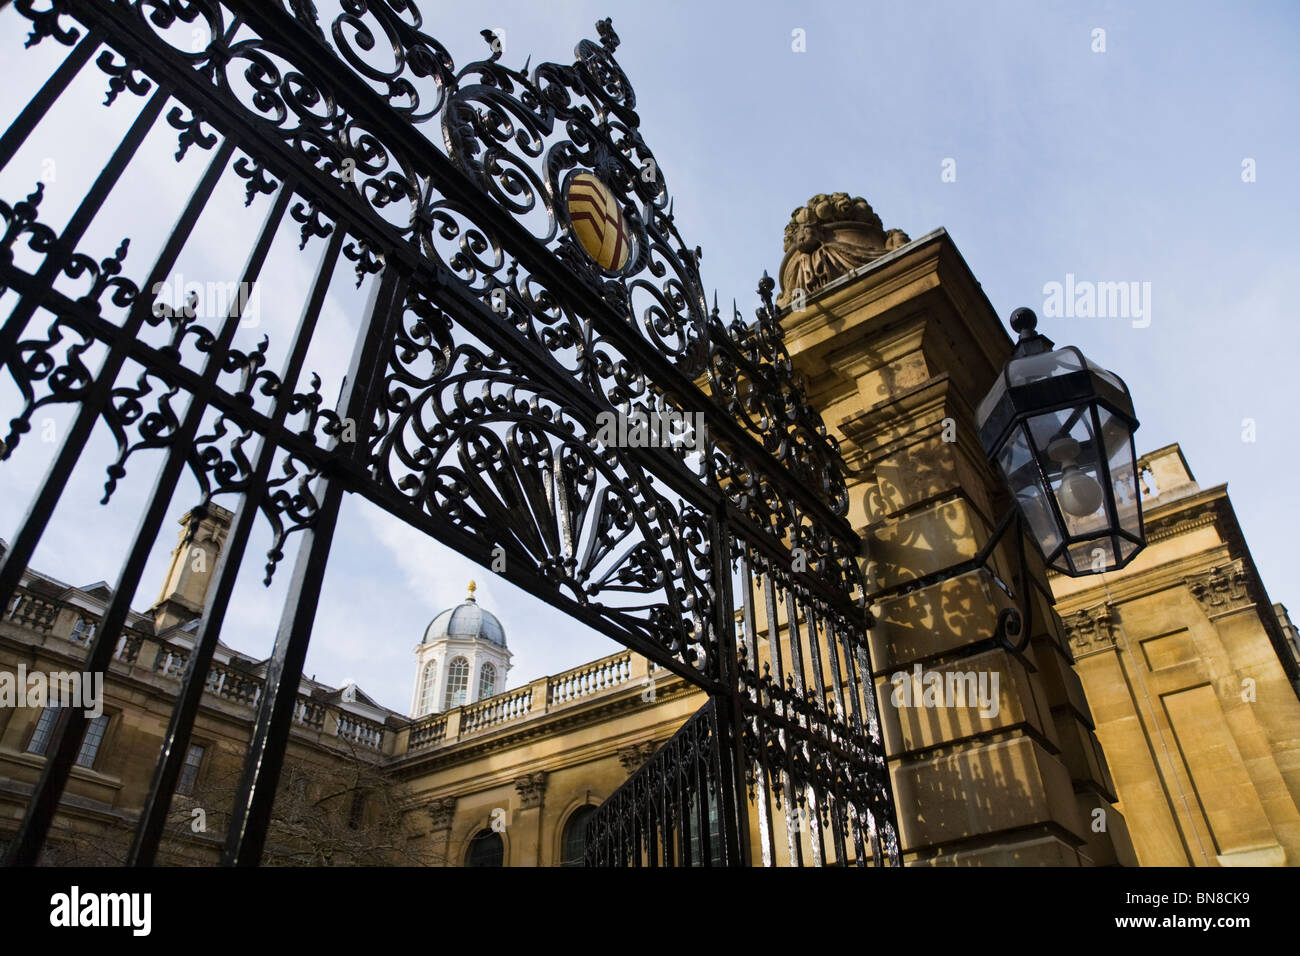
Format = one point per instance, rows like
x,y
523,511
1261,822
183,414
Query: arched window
x,y
428,687
487,681
457,683
575,836
486,849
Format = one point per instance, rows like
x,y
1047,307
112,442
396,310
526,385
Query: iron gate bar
x,y
731,763
66,738
749,630
39,105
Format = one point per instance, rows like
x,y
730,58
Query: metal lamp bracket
x,y
1014,624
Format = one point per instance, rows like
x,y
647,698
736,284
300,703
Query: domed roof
x,y
466,620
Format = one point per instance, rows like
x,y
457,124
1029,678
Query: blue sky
x,y
1123,165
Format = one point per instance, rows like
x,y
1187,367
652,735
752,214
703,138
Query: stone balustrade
x,y
32,612
427,731
233,684
359,730
128,648
230,684
226,682
499,709
593,678
546,694
309,713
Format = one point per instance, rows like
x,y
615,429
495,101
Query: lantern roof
x,y
1040,378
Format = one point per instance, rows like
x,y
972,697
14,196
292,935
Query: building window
x,y
486,849
44,728
357,810
457,683
82,631
190,770
428,687
40,741
575,837
487,681
94,737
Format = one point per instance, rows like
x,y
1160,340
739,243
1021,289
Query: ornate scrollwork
x,y
501,333
468,437
518,134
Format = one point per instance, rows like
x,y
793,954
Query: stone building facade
x,y
1191,676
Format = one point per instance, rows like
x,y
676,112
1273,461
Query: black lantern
x,y
1061,429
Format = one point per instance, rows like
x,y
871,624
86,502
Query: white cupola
x,y
462,658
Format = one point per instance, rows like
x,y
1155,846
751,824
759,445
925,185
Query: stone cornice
x,y
1210,508
1170,519
822,316
1119,589
658,729
874,296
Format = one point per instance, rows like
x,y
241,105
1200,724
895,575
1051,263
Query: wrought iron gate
x,y
528,282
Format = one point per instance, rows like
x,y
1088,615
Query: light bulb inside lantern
x,y
1079,494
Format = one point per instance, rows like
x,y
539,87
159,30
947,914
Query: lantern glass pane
x,y
1021,470
1088,557
1123,471
1034,368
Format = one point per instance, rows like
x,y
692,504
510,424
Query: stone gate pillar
x,y
993,755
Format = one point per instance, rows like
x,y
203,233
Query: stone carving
x,y
1091,629
441,812
1221,589
633,757
531,787
830,235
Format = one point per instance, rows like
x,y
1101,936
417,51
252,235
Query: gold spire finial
x,y
472,588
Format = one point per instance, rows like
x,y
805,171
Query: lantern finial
x,y
1031,341
1024,321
